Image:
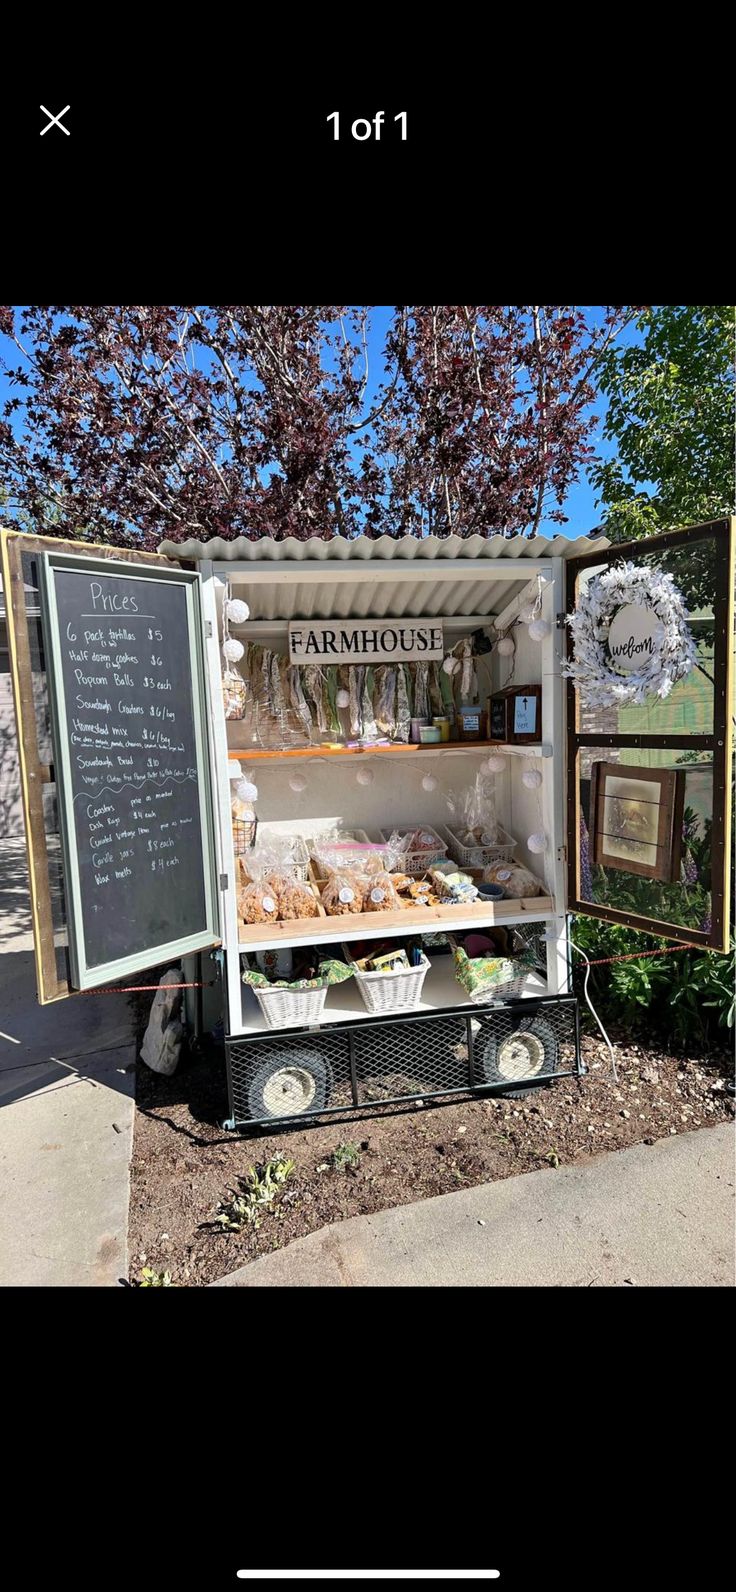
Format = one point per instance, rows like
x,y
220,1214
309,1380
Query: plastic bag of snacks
x,y
234,694
380,894
273,892
344,892
473,812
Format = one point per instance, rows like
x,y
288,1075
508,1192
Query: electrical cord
x,y
592,1008
551,936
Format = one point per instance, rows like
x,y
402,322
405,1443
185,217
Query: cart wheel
x,y
290,1084
529,1052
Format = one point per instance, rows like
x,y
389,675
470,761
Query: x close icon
x,y
55,121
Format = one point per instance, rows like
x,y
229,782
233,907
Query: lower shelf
x,y
440,992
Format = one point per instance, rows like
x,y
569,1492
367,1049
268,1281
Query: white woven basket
x,y
509,990
417,862
482,856
290,1008
390,992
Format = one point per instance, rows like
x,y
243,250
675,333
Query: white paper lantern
x,y
364,776
237,611
297,783
429,782
505,647
537,843
494,765
343,699
539,628
246,790
532,778
451,665
233,650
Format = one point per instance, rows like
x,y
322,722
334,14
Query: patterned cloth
x,y
331,971
487,972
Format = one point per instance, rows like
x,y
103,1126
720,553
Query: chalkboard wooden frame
x,y
83,975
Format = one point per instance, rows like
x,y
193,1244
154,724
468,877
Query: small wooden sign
x,y
636,819
361,641
515,715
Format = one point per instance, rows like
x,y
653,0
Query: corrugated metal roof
x,y
384,547
278,601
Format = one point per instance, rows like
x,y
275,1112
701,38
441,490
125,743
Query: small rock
x,y
624,1113
649,1075
649,1141
481,1223
673,1130
462,1130
117,1128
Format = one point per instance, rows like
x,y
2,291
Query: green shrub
x,y
686,997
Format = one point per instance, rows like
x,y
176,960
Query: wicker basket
x,y
298,861
244,835
503,990
289,1008
482,856
417,862
390,992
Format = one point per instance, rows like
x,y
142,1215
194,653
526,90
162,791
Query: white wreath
x,y
590,669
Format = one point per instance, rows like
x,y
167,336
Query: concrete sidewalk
x,y
655,1216
67,1079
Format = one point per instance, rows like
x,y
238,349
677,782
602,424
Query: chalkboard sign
x,y
131,757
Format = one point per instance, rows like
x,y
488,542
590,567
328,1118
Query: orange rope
x,y
634,956
134,989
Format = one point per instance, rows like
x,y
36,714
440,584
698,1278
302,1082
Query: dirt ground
x,y
184,1164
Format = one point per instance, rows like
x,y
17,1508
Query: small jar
x,y
472,722
416,726
429,734
443,725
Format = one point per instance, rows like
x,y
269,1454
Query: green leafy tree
x,y
671,416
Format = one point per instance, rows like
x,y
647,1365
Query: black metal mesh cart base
x,y
297,1074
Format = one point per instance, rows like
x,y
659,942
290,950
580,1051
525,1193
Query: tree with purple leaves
x,y
134,423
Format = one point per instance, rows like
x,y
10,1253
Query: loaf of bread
x,y
515,880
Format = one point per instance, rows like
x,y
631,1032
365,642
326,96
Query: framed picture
x,y
636,819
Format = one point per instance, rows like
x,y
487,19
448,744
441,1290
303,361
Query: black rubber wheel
x,y
291,1083
529,1051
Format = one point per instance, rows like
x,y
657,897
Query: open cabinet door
x,y
110,689
649,782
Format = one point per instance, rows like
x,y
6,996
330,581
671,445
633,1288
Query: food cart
x,y
188,718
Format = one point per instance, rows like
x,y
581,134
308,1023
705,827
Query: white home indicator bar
x,y
368,1575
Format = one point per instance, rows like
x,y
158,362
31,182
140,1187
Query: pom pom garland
x,y
343,699
505,647
246,790
236,611
364,776
494,765
429,782
539,628
537,843
451,665
297,783
528,614
532,778
233,650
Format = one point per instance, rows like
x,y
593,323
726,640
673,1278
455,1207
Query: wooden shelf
x,y
345,1005
379,925
237,743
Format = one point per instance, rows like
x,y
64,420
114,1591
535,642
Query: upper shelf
x,y
237,743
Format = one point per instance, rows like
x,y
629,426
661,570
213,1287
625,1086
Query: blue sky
x,y
579,505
